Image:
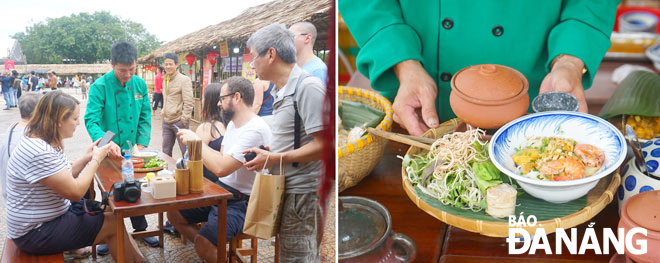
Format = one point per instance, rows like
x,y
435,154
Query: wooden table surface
x,y
437,242
110,172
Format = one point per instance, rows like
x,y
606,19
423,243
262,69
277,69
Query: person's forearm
x,y
83,181
307,153
211,159
80,164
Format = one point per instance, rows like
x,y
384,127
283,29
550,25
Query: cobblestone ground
x,y
174,250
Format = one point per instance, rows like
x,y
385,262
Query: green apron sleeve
x,y
144,123
94,111
583,31
384,39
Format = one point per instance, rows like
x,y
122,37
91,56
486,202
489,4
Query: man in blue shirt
x,y
10,98
304,36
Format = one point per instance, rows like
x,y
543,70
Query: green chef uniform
x,y
447,36
122,110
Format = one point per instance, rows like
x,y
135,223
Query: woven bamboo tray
x,y
553,216
146,170
358,158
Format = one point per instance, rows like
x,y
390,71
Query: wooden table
x,y
438,242
109,173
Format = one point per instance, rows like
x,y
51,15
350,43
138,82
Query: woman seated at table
x,y
42,183
213,129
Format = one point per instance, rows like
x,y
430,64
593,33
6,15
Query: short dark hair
x,y
32,72
171,56
123,53
243,86
161,69
27,103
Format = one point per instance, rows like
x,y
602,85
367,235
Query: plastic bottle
x,y
127,168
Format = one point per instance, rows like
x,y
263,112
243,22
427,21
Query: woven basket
x,y
358,157
597,199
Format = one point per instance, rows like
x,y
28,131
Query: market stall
x,y
219,51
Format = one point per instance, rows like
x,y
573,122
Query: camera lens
x,y
132,193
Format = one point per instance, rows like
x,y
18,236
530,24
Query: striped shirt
x,y
30,203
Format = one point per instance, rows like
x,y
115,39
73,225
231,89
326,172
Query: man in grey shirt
x,y
274,59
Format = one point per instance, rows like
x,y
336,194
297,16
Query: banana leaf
x,y
638,94
357,114
543,210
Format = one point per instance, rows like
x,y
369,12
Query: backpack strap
x,y
298,121
11,132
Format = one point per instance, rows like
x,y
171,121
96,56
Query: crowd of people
x,y
238,117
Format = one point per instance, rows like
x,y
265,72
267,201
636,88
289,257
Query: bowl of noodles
x,y
557,156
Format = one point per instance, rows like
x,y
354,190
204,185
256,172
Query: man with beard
x,y
246,130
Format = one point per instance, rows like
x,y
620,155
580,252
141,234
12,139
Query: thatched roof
x,y
240,28
65,69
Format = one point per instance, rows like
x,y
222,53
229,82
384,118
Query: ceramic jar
x,y
489,95
651,153
365,233
643,210
633,181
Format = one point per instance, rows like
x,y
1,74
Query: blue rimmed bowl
x,y
583,128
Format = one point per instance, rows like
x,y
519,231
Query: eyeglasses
x,y
252,61
222,97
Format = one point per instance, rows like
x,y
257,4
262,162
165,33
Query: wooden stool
x,y
11,253
238,252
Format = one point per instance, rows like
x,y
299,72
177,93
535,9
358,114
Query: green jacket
x,y
124,111
447,36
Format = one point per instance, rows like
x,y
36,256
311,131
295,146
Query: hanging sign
x,y
248,72
224,50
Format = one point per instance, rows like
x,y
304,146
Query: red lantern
x,y
190,58
212,56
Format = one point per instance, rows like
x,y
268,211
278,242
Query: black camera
x,y
128,190
251,155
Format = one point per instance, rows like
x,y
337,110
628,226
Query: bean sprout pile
x,y
452,181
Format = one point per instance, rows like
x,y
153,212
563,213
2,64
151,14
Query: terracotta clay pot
x,y
643,210
489,95
137,162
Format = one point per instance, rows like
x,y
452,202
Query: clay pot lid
x,y
644,210
490,82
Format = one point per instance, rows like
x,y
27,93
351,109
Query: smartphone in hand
x,y
107,137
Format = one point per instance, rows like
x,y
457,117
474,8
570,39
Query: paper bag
x,y
262,219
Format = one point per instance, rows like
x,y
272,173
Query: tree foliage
x,y
82,38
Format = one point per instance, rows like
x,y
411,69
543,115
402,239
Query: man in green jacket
x,y
410,49
118,102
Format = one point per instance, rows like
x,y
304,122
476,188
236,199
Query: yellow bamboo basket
x,y
597,199
358,157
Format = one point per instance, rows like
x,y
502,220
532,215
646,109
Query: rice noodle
x,y
453,182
